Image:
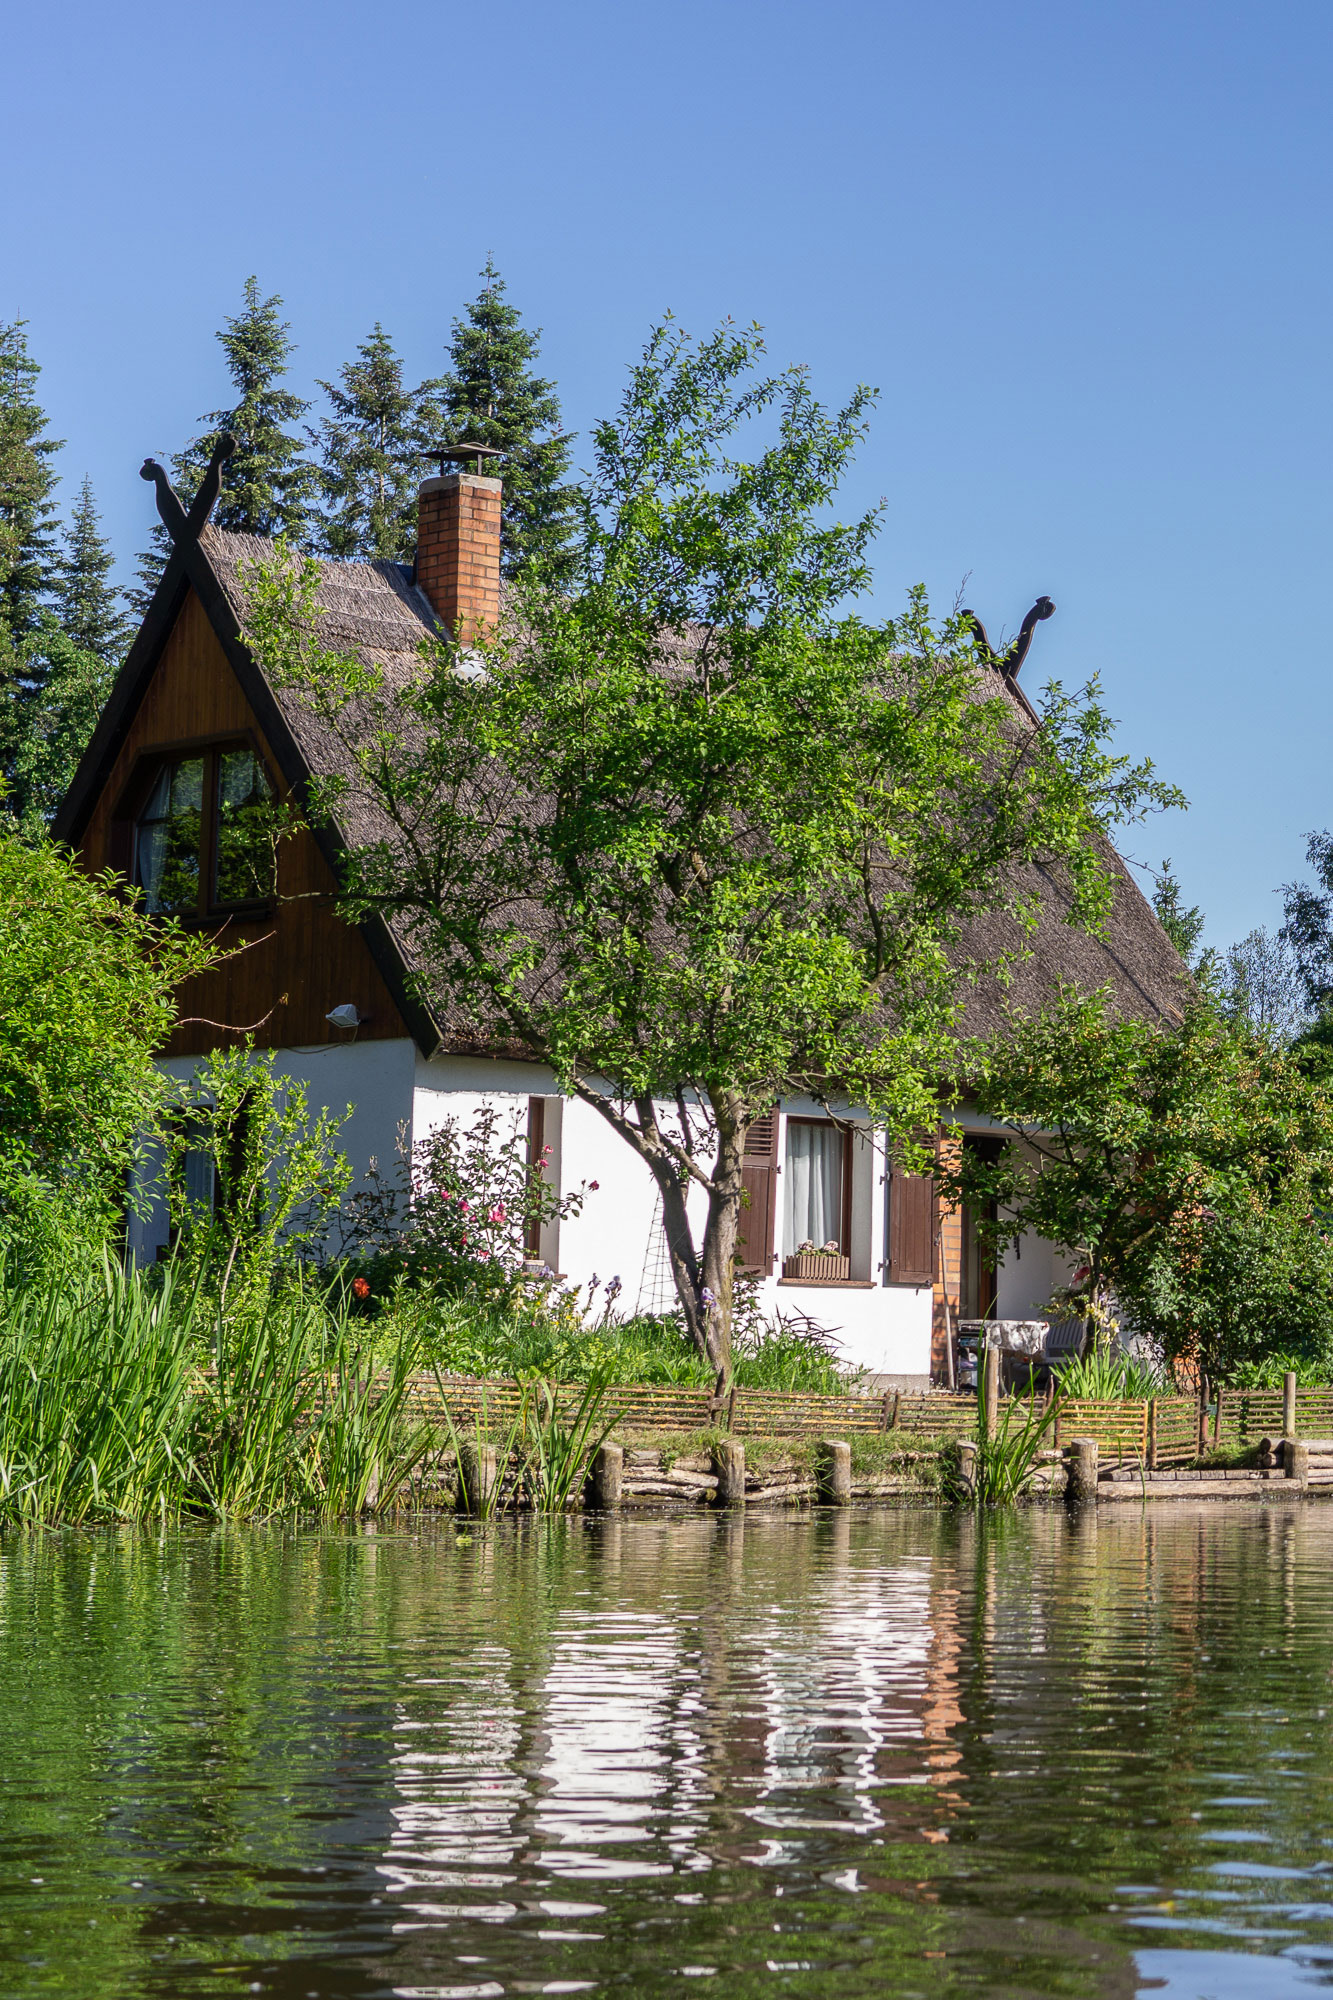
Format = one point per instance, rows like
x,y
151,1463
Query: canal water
x,y
889,1752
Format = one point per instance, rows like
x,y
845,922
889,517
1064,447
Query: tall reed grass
x,y
130,1397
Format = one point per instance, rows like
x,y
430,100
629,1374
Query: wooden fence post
x,y
729,1465
1081,1476
1217,1419
1151,1452
1289,1405
833,1472
606,1477
1201,1439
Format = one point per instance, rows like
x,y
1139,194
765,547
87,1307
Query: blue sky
x,y
1081,249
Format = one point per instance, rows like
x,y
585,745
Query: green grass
x,y
124,1397
539,1337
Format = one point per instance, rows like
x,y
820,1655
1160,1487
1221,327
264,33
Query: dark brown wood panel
x,y
911,1228
759,1177
300,960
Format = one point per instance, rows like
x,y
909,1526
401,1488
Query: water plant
x,y
126,1396
1101,1377
998,1469
561,1446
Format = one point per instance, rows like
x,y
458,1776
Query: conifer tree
x,y
372,460
29,561
490,394
267,486
87,603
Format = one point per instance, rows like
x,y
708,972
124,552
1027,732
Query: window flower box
x,y
816,1264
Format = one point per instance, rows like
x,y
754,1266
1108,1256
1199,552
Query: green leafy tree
x,y
490,395
1188,1167
276,1169
372,456
87,988
268,487
88,605
697,836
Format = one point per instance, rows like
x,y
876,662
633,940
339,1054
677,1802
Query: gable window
x,y
204,836
815,1186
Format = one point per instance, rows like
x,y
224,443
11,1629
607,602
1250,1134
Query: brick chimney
x,y
458,552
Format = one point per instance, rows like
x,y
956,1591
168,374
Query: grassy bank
x,y
135,1397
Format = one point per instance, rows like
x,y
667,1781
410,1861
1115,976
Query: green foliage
x,y
268,487
559,1445
373,452
489,395
87,603
1308,922
276,1173
562,1336
697,830
458,1213
86,999
1190,1167
1102,1377
108,1411
67,688
29,560
1001,1468
1183,926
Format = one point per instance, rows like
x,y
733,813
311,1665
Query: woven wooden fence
x,y
1170,1430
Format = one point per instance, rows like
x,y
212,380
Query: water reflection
x,y
857,1753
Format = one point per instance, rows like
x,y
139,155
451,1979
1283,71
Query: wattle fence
x,y
1168,1430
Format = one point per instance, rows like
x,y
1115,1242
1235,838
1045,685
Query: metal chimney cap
x,y
464,451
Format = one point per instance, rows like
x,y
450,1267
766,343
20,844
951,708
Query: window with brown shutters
x,y
759,1177
911,1232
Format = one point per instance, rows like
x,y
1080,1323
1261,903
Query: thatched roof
x,y
374,611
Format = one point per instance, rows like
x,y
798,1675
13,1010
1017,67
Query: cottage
x,y
194,738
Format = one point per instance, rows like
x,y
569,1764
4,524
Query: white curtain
x,y
812,1196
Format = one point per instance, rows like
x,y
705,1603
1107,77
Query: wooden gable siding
x,y
303,959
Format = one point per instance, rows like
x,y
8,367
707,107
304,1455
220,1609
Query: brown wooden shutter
x,y
759,1176
911,1228
532,1229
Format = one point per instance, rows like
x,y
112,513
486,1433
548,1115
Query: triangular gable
x,y
189,676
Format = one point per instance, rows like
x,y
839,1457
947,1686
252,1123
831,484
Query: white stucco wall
x,y
375,1078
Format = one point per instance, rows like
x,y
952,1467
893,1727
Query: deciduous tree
x,y
1187,1166
696,834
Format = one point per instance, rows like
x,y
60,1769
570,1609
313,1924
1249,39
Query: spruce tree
x,y
490,394
29,560
87,603
267,486
372,459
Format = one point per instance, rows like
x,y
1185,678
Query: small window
x,y
815,1186
170,838
245,830
204,839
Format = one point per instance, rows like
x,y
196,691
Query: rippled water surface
x,y
871,1753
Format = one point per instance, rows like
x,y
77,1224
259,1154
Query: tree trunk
x,y
703,1279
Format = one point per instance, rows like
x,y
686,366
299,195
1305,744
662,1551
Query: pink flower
x,y
464,1207
593,1186
497,1214
482,1255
